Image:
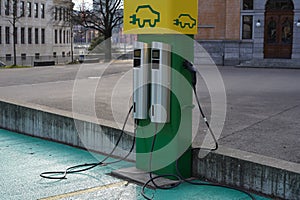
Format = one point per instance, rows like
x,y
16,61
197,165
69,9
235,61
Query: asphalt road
x,y
263,105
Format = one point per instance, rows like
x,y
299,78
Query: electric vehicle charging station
x,y
166,38
162,102
160,82
141,72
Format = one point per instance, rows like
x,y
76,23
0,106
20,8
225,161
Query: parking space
x,y
23,158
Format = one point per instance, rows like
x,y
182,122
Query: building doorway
x,y
278,39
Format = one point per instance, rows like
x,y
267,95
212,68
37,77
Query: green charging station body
x,y
177,133
174,25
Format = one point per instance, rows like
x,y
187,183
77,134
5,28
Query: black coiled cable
x,y
88,166
179,176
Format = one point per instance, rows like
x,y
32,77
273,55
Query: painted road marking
x,y
84,191
94,77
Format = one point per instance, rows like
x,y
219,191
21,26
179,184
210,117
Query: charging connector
x,y
190,67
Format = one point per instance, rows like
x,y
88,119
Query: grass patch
x,y
74,62
15,66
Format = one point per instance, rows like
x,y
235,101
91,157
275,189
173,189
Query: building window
x,y
7,35
247,18
0,34
63,54
22,35
37,56
247,26
55,13
29,35
247,5
42,10
55,36
8,57
7,6
67,15
60,14
23,56
54,54
43,35
67,37
64,37
22,8
36,35
28,9
280,5
36,10
60,36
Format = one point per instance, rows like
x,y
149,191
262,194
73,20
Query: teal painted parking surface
x,y
23,158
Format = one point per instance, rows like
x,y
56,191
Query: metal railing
x,y
61,60
30,60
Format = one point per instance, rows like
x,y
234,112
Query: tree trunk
x,y
72,41
14,21
14,44
107,43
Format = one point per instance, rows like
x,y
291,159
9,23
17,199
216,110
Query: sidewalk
x,y
263,105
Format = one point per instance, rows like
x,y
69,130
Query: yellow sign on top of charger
x,y
160,16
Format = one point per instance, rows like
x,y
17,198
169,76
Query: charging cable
x,y
189,66
179,177
152,179
88,166
210,184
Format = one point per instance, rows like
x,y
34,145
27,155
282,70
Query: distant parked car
x,y
2,64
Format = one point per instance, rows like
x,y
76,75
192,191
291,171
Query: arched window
x,y
279,5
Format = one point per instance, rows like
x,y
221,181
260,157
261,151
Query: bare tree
x,y
104,16
13,17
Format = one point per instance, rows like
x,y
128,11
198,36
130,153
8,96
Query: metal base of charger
x,y
132,174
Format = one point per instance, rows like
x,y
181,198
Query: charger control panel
x,y
160,82
141,80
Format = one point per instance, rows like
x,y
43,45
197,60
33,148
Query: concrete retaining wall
x,y
280,179
64,129
223,52
269,176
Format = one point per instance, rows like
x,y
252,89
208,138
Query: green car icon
x,y
185,20
145,14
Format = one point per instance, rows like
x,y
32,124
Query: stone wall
x,y
224,52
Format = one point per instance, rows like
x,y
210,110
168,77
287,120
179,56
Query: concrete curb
x,y
269,176
60,126
262,174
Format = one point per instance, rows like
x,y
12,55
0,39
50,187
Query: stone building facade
x,y
42,30
251,32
